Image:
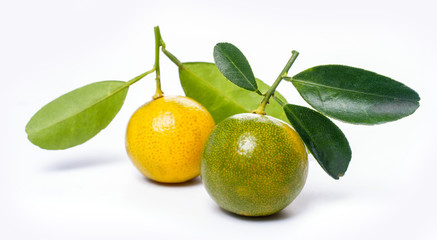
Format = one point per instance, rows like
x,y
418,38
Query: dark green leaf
x,y
204,83
355,95
322,137
77,116
233,64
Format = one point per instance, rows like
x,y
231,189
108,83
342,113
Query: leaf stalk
x,y
139,77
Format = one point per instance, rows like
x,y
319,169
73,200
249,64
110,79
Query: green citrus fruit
x,y
254,165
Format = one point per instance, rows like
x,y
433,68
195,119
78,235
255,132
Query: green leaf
x,y
204,83
77,116
233,64
322,137
355,95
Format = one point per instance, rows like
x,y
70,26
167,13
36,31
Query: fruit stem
x,y
158,44
261,109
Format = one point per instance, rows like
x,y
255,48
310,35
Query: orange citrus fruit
x,y
254,165
165,138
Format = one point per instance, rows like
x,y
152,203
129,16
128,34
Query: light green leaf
x,y
204,83
77,116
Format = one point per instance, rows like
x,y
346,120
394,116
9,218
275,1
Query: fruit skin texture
x,y
254,165
165,138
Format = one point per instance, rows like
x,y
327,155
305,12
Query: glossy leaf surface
x,y
322,137
233,64
355,95
204,83
77,116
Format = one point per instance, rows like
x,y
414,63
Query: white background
x,y
92,191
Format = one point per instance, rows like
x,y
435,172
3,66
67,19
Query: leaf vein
x,y
311,84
